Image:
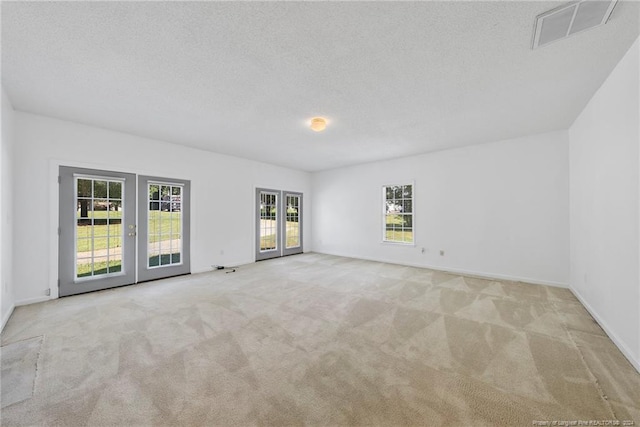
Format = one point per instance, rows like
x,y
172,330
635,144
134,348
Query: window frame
x,y
385,240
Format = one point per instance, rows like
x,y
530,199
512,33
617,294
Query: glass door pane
x,y
268,222
164,221
99,231
293,222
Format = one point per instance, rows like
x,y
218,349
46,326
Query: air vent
x,y
570,19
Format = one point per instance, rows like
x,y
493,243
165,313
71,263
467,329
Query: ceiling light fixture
x,y
318,124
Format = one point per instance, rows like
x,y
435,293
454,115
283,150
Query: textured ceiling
x,y
392,78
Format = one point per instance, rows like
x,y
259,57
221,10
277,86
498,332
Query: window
x,y
98,229
398,213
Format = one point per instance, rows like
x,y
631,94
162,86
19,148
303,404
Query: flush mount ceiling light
x,y
318,124
570,19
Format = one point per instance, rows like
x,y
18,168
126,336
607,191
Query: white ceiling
x,y
392,78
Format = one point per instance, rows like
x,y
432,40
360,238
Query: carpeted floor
x,y
318,340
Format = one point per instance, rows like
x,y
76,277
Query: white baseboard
x,y
32,300
6,317
483,274
612,335
479,274
226,265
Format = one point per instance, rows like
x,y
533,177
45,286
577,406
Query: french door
x,y
99,229
96,245
163,243
278,223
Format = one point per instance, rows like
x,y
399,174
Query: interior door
x,y
164,227
278,223
97,228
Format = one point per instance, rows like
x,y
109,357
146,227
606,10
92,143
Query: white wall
x,y
222,193
499,209
7,299
605,196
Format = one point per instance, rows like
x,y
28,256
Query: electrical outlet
x,y
441,252
221,251
48,292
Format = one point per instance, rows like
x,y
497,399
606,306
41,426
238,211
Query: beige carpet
x,y
19,369
320,340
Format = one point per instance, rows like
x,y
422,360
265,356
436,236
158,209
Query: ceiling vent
x,y
570,19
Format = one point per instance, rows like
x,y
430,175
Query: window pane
x,y
115,245
154,253
83,267
115,263
116,207
100,230
84,187
154,192
100,208
397,192
115,217
408,236
84,207
175,222
389,193
176,249
84,246
154,221
165,252
115,230
100,189
165,196
115,190
99,265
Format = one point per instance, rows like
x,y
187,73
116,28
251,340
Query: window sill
x,y
388,242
